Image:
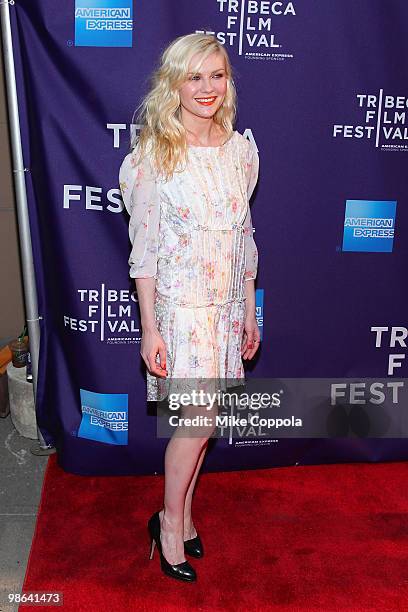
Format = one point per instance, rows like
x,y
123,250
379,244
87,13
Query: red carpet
x,y
330,538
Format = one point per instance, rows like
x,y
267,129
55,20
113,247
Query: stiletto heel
x,y
181,571
152,545
194,547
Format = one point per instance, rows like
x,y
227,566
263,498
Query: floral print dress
x,y
194,235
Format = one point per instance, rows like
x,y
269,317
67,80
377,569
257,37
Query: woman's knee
x,y
197,423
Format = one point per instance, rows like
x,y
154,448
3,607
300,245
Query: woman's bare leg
x,y
184,451
189,529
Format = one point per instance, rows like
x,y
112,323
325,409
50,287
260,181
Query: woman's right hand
x,y
151,345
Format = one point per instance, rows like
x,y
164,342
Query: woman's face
x,y
203,93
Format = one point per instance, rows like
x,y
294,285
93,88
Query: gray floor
x,y
21,477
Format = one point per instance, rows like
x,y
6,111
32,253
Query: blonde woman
x,y
186,185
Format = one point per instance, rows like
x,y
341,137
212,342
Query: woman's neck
x,y
205,136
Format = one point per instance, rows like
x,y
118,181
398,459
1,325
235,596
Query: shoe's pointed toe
x,y
182,571
194,547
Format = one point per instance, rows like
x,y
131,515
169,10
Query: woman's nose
x,y
206,85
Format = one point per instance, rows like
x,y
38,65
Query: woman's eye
x,y
197,76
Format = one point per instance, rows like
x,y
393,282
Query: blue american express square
x,y
103,23
369,225
104,417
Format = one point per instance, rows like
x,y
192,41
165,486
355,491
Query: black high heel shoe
x,y
194,547
181,571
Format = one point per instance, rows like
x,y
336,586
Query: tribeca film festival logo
x,y
383,122
249,27
110,311
369,226
103,23
106,312
394,337
376,408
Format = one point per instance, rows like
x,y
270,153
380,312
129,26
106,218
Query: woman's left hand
x,y
251,338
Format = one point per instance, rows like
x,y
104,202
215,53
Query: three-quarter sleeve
x,y
251,251
140,197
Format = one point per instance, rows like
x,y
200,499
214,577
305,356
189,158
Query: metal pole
x,y
30,291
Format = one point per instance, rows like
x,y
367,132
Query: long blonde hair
x,y
163,135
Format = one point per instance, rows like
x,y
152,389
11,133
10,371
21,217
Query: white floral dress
x,y
194,235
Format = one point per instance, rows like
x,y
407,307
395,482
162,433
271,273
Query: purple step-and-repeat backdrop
x,y
322,92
